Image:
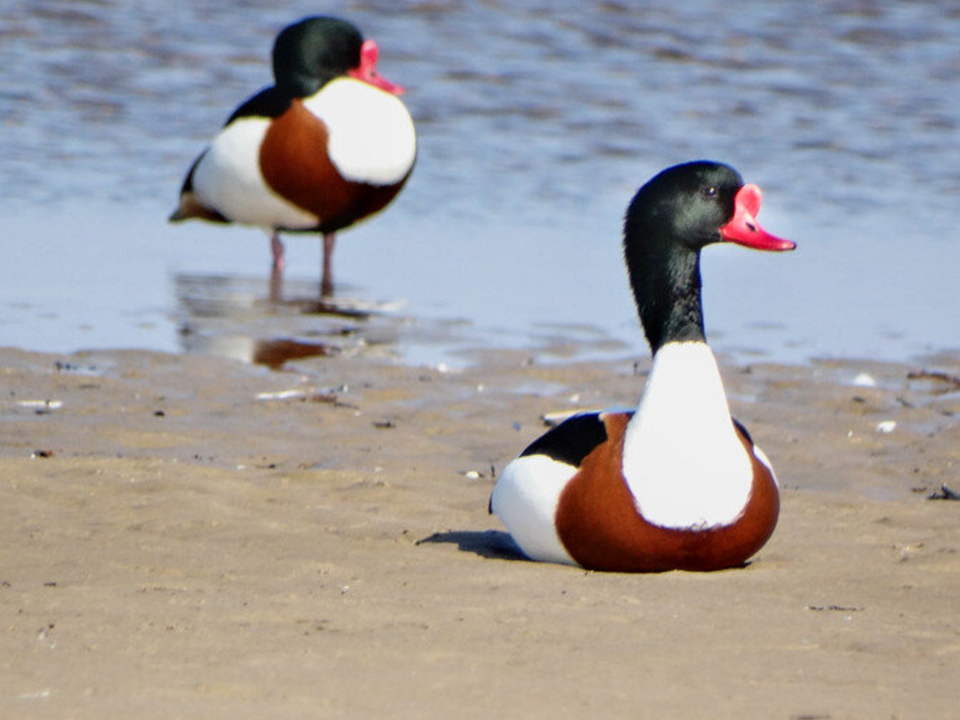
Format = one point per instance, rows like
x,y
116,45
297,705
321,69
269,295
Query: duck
x,y
329,144
676,483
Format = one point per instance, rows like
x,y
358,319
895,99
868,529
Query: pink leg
x,y
276,247
276,284
326,284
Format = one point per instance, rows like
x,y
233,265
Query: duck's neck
x,y
666,286
300,84
296,76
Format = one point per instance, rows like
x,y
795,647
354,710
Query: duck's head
x,y
669,221
698,203
312,52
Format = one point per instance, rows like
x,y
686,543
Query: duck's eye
x,y
710,191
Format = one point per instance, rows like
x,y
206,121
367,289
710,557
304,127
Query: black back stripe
x,y
743,430
570,441
268,103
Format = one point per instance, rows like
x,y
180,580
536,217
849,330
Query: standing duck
x,y
678,484
326,146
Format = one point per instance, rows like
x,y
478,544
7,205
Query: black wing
x,y
743,430
268,103
570,441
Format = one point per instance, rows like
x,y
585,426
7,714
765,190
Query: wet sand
x,y
188,536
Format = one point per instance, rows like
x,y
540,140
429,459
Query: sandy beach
x,y
188,536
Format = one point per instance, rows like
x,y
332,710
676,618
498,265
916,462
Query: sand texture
x,y
192,537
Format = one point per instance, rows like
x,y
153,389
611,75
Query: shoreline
x,y
192,536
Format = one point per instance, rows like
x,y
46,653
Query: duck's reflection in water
x,y
271,321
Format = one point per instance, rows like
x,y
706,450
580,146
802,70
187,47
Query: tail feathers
x,y
190,208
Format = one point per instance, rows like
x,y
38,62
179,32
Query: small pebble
x,y
41,404
281,395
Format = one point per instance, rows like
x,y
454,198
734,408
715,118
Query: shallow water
x,y
537,121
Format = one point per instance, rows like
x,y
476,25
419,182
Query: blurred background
x,y
537,121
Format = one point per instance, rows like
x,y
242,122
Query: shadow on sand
x,y
487,543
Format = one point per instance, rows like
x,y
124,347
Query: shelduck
x,y
329,144
677,483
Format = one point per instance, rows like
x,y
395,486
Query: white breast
x,y
682,458
371,134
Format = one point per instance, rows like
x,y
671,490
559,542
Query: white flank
x,y
682,458
525,499
372,139
228,178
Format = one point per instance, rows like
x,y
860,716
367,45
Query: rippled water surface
x,y
537,121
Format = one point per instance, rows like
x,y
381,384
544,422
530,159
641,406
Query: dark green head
x,y
314,51
669,221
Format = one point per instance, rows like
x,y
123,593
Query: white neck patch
x,y
682,458
372,138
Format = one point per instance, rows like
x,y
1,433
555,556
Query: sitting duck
x,y
677,484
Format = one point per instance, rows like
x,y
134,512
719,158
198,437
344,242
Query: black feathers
x,y
570,441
